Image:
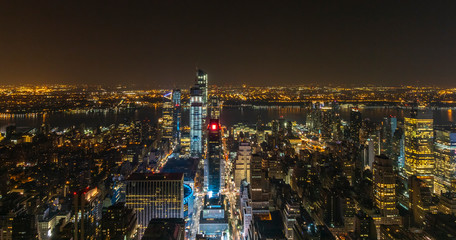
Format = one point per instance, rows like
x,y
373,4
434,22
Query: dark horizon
x,y
351,43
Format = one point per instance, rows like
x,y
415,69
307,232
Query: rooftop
x,y
155,176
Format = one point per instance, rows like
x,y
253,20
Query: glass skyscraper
x,y
196,121
214,157
176,113
201,80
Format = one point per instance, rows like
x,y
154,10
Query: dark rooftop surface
x,y
154,176
270,228
182,165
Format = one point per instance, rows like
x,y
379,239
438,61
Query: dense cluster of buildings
x,y
325,178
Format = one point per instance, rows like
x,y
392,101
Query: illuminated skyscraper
x,y
242,164
419,137
214,157
201,80
196,122
445,159
214,107
167,117
153,196
384,181
176,113
355,124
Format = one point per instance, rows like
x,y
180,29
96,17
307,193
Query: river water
x,y
229,116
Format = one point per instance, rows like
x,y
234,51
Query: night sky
x,y
160,43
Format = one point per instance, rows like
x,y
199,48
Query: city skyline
x,y
202,120
161,44
227,163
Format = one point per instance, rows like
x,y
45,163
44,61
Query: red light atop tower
x,y
213,125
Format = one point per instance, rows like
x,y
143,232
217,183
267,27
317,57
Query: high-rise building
x,y
167,116
384,181
447,203
258,186
214,157
201,80
349,210
398,149
365,227
290,212
242,164
420,198
11,206
355,124
419,137
214,107
118,222
445,159
196,121
389,125
333,208
246,208
153,196
88,212
176,113
368,153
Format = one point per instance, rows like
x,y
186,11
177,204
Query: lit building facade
x,y
214,107
419,137
153,196
246,208
167,116
384,180
196,122
118,222
242,164
445,160
201,80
